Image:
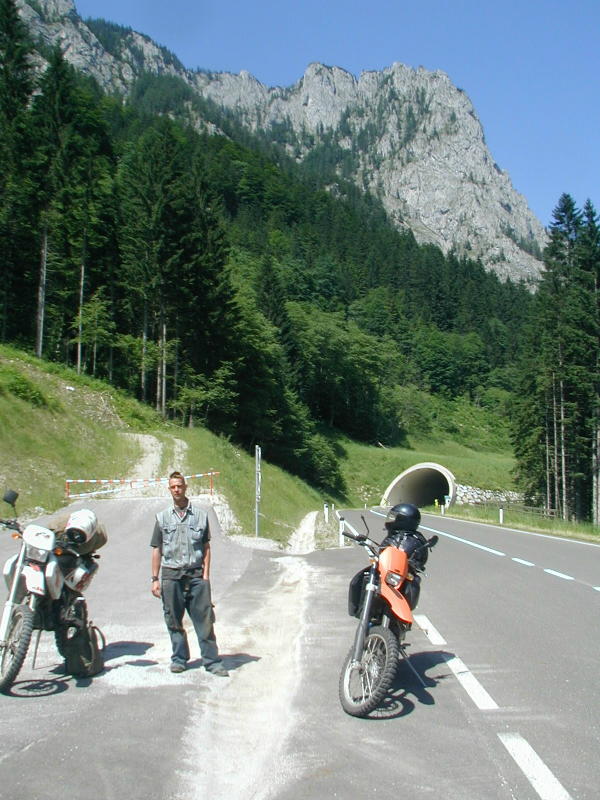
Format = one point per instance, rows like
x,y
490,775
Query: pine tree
x,y
588,256
72,171
16,241
558,391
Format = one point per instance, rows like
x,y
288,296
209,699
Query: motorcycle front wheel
x,y
12,655
364,683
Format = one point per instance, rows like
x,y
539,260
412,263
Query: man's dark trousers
x,y
192,595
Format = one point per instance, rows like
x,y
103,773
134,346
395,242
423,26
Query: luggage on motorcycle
x,y
413,543
83,652
97,540
355,592
411,590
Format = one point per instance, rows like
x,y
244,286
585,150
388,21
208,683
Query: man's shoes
x,y
176,666
221,672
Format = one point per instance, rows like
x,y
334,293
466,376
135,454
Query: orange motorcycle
x,y
383,597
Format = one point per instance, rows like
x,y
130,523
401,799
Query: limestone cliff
x,y
408,136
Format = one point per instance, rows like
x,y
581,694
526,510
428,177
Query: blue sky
x,y
530,67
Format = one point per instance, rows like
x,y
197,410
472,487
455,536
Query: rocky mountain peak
x,y
409,136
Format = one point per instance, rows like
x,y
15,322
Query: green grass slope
x,y
55,424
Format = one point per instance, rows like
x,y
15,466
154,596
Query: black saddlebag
x,y
355,592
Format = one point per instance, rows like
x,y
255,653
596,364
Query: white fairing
x,y
34,579
80,577
9,569
54,579
38,536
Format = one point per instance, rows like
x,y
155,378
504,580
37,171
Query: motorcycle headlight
x,y
36,554
393,579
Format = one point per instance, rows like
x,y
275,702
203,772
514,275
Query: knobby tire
x,y
363,685
13,654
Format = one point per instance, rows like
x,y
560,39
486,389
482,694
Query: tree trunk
x,y
41,300
143,359
596,474
80,313
163,392
548,472
557,500
563,453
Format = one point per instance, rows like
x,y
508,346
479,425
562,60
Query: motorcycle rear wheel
x,y
12,655
364,684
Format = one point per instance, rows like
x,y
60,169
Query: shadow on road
x,y
230,661
125,648
409,689
40,688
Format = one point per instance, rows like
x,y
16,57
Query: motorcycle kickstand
x,y
404,655
35,649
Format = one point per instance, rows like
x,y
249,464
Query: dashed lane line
x,y
537,773
465,677
521,561
534,769
559,575
434,636
470,684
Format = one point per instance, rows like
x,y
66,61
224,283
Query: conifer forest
x,y
229,287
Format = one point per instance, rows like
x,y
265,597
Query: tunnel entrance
x,y
422,485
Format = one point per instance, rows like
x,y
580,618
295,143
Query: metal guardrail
x,y
519,508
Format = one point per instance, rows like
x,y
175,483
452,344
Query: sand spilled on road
x,y
233,740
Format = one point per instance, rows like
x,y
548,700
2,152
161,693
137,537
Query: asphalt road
x,y
505,706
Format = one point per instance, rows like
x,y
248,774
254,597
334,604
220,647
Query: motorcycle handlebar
x,y
12,524
362,539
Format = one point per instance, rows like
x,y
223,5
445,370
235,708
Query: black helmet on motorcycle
x,y
403,517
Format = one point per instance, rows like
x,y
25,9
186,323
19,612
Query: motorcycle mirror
x,y
10,497
365,521
433,541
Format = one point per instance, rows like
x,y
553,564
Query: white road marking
x,y
434,636
534,769
465,541
554,536
532,766
498,553
559,575
471,685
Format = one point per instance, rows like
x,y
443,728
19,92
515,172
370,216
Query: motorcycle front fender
x,y
397,603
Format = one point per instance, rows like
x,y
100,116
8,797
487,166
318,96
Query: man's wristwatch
x,y
154,578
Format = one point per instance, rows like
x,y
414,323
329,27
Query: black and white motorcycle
x,y
45,581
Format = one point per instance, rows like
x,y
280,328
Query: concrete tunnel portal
x,y
422,485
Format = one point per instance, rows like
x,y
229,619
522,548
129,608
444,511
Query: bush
x,y
14,382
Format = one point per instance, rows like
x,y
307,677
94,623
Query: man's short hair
x,y
176,474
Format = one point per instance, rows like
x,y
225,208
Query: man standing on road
x,y
181,544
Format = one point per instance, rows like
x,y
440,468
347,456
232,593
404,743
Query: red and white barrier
x,y
118,484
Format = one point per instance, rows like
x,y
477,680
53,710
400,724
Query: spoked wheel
x,y
12,655
364,683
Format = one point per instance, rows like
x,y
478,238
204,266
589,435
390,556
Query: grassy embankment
x,y
57,425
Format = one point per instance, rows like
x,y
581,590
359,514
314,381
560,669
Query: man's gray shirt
x,y
181,539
